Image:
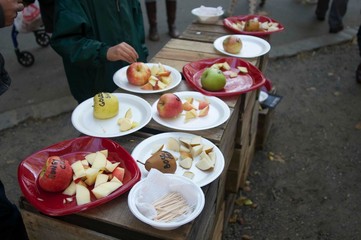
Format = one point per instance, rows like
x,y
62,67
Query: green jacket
x,y
83,32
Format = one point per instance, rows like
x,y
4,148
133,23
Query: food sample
x,y
213,79
56,175
232,44
138,73
169,105
163,161
106,105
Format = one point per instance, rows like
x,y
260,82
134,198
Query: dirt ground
x,y
310,190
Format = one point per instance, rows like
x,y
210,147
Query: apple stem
x,y
140,162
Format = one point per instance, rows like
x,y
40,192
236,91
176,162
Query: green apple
x,y
213,79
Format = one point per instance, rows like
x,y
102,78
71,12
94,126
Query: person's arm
x,y
8,11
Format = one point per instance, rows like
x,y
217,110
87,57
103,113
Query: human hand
x,y
11,9
122,51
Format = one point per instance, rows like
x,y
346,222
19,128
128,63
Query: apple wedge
x,y
100,161
105,189
186,163
101,178
119,173
196,150
91,175
188,174
82,194
109,167
204,164
78,169
197,140
173,144
203,112
71,189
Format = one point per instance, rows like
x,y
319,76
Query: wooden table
x,y
235,138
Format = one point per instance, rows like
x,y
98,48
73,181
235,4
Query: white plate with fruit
x,y
184,154
190,111
247,47
147,77
111,115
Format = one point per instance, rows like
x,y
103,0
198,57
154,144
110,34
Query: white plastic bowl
x,y
167,225
208,15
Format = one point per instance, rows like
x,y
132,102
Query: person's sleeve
x,y
69,39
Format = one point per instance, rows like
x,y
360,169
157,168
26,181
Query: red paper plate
x,y
228,23
72,150
234,86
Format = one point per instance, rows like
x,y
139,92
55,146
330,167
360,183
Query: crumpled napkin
x,y
210,11
158,185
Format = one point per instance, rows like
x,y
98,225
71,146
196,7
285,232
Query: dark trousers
x,y
359,39
11,222
337,11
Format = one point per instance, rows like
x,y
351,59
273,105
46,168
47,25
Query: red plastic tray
x,y
227,22
72,150
235,86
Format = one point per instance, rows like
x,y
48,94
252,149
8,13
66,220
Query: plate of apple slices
x,y
158,78
197,111
196,157
101,171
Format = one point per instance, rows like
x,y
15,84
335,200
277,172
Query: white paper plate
x,y
121,80
218,113
144,150
83,120
252,46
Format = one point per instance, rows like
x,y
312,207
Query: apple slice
x,y
100,161
147,86
154,70
226,66
125,124
90,158
212,157
166,79
208,148
196,150
91,175
104,152
190,114
115,179
202,104
78,169
242,69
184,154
203,112
187,106
161,85
185,142
128,114
111,166
105,189
82,194
157,148
204,164
119,173
173,144
101,178
183,148
188,174
197,140
186,163
71,189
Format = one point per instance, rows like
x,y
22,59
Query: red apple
x,y
56,175
138,73
169,105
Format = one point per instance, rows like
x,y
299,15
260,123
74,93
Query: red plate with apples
x,y
235,84
55,204
267,24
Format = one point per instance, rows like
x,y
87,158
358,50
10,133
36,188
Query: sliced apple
x,y
204,164
196,150
202,104
185,141
147,86
187,106
70,190
208,148
213,157
91,175
197,140
111,166
128,113
115,179
186,163
188,174
125,124
161,85
183,148
90,158
183,154
173,144
242,69
189,99
154,70
104,152
78,169
203,112
105,189
82,194
226,66
166,79
190,114
100,161
119,173
101,178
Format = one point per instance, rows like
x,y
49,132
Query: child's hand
x,y
122,51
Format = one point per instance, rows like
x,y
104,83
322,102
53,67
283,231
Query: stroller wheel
x,y
25,58
43,39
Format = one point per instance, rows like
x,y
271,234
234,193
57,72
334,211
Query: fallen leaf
x,y
358,126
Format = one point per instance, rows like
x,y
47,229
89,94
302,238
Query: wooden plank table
x,y
114,220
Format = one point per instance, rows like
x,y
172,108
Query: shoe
x,y
320,18
336,29
358,74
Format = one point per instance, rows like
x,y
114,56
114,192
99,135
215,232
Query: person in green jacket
x,y
95,39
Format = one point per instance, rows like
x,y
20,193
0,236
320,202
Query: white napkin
x,y
158,185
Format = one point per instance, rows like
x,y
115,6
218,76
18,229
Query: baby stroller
x,y
29,20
